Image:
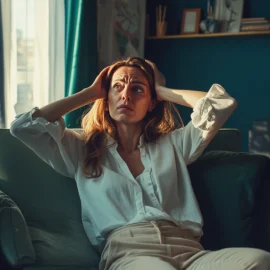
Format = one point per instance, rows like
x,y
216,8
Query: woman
x,y
129,163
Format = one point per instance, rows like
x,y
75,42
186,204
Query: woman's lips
x,y
124,107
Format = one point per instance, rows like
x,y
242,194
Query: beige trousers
x,y
161,245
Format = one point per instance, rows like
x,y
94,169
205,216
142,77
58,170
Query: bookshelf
x,y
227,34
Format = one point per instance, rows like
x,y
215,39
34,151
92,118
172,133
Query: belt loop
x,y
158,230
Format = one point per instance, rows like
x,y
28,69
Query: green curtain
x,y
80,51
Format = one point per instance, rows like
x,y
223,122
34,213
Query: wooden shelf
x,y
250,33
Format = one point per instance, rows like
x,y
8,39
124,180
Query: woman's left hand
x,y
159,79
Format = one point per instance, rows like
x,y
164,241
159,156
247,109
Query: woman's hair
x,y
97,122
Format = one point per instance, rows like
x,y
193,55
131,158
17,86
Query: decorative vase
x,y
209,25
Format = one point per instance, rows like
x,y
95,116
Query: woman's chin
x,y
127,120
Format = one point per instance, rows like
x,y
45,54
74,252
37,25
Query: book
x,y
254,22
264,27
252,19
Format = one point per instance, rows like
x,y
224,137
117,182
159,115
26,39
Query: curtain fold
x,y
80,51
56,50
49,52
10,60
40,80
2,94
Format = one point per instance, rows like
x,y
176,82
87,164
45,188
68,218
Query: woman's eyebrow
x,y
138,82
135,81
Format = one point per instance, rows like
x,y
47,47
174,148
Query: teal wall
x,y
240,64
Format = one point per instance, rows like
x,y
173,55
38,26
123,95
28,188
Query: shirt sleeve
x,y
208,116
58,146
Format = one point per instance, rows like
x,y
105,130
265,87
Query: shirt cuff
x,y
206,109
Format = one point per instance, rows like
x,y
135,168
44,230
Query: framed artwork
x,y
121,30
190,21
229,13
234,10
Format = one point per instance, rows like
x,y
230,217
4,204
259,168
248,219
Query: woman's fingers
x,y
104,71
101,76
151,64
160,79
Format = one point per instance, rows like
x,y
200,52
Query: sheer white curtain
x,y
56,50
41,53
10,60
34,35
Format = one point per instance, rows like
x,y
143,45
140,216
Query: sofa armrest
x,y
15,242
228,187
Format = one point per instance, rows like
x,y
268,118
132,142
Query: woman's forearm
x,y
57,109
186,98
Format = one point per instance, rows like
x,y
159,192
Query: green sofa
x,y
40,215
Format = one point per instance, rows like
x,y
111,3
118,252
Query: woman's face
x,y
129,97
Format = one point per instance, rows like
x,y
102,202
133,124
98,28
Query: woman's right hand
x,y
55,110
97,87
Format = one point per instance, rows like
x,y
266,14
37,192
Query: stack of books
x,y
255,24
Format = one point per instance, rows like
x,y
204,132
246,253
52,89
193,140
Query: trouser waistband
x,y
158,225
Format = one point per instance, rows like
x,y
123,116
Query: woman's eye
x,y
137,89
116,86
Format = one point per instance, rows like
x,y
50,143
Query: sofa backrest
x,y
49,203
227,139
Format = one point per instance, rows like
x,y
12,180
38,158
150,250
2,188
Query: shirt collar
x,y
111,142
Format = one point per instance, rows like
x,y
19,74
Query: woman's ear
x,y
152,105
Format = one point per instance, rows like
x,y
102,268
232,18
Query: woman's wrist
x,y
89,94
182,97
161,92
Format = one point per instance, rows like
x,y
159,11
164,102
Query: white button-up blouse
x,y
116,198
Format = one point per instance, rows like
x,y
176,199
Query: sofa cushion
x,y
226,185
262,211
50,204
15,242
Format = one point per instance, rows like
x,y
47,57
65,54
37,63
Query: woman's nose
x,y
126,93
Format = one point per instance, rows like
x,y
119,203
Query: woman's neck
x,y
128,137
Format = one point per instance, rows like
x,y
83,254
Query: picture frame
x,y
191,18
120,30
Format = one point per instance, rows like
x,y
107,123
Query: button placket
x,y
145,161
137,190
152,194
148,170
139,201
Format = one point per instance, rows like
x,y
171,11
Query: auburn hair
x,y
96,122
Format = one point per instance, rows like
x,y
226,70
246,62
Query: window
x,y
33,71
23,18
